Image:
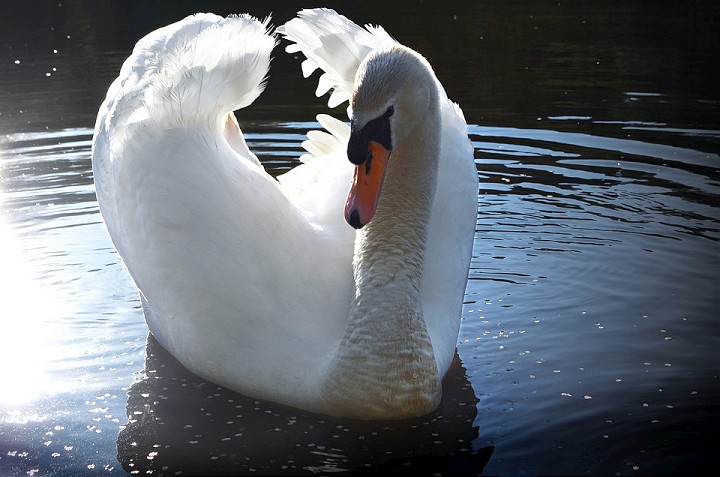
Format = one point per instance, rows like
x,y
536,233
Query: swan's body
x,y
260,285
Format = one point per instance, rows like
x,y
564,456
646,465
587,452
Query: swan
x,y
337,287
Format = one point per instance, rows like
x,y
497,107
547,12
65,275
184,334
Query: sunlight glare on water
x,y
28,316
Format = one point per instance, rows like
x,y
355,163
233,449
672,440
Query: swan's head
x,y
394,88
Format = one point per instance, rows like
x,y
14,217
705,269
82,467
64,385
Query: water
x,y
588,343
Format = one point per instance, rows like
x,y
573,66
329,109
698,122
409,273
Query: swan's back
x,y
235,279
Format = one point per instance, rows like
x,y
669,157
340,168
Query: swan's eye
x,y
390,111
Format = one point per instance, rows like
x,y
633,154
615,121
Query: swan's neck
x,y
385,364
389,251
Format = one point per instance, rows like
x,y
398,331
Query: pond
x,y
588,342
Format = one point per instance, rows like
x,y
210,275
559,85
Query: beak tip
x,y
353,218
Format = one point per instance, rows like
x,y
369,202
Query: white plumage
x,y
249,281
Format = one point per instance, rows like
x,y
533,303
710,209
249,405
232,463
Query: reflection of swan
x,y
249,281
178,422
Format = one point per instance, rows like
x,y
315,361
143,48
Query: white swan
x,y
260,285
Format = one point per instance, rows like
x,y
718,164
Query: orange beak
x,y
364,193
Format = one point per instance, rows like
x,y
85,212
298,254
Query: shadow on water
x,y
179,422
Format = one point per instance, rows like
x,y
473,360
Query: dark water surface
x,y
589,342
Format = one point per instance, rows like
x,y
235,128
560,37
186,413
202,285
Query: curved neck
x,y
389,251
385,364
